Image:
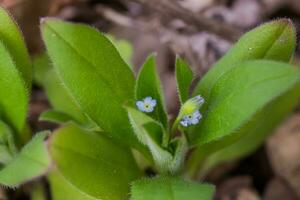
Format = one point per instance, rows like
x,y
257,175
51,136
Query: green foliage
x,y
148,84
99,80
94,164
13,105
244,89
168,188
184,77
13,41
32,161
62,189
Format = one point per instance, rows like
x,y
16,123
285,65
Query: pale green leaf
x,y
257,130
239,94
31,162
124,47
170,188
184,77
94,74
275,40
93,163
62,189
148,84
13,96
12,39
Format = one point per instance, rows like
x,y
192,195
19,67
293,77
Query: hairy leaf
x,y
240,93
32,161
94,73
168,188
12,39
62,189
184,77
148,84
93,163
13,96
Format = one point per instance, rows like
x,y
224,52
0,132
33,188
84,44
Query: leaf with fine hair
x,y
99,80
13,40
149,85
32,161
93,163
184,77
170,188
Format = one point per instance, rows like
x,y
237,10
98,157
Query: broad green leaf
x,y
12,39
94,74
31,162
168,159
37,192
257,130
275,40
239,94
184,77
148,84
170,188
41,66
8,148
62,189
56,117
13,96
123,46
93,163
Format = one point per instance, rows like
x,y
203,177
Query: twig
x,y
173,10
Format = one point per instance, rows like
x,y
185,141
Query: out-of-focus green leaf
x,y
275,41
56,117
124,47
41,66
239,94
152,134
32,161
98,79
257,130
12,39
93,163
37,192
7,146
13,95
184,77
170,188
148,84
62,189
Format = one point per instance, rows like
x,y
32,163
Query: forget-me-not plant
x,y
146,105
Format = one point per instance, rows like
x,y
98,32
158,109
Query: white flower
x,y
191,119
146,105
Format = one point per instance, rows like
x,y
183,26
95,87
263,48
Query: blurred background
x,y
200,31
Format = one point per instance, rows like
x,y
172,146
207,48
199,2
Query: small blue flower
x,y
191,119
146,105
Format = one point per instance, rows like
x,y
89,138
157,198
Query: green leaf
x,y
152,134
8,148
124,47
184,77
257,130
31,162
275,40
94,164
12,39
241,93
62,189
13,96
55,116
148,84
99,80
41,66
168,188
